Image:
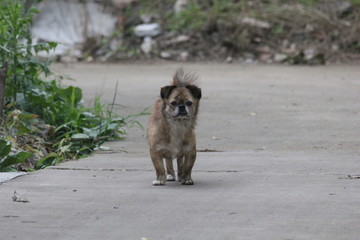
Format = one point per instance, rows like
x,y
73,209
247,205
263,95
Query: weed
x,y
7,159
192,18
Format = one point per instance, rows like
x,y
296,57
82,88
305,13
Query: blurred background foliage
x,y
294,32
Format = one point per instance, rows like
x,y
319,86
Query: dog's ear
x,y
166,91
195,91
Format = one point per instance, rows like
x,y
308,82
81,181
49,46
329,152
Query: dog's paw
x,y
158,183
170,178
187,182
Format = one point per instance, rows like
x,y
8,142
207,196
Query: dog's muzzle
x,y
181,111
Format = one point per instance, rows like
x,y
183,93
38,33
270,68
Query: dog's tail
x,y
182,79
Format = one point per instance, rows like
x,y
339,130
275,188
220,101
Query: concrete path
x,y
288,167
6,176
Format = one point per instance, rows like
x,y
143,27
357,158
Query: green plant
x,y
19,68
7,159
78,130
191,18
42,112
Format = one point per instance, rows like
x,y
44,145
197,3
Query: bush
x,y
41,117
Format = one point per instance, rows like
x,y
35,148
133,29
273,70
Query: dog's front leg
x,y
190,158
180,163
158,163
170,174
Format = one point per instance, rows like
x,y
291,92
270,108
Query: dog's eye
x,y
173,103
189,103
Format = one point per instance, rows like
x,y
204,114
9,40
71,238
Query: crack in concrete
x,y
131,170
199,170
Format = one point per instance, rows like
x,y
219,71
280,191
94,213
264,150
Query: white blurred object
x,y
147,30
180,5
147,45
70,23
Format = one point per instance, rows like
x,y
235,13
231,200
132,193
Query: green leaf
x,y
5,49
14,159
74,94
22,129
87,115
79,136
52,45
34,10
47,161
5,148
91,132
8,169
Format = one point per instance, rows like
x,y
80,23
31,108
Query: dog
x,y
171,129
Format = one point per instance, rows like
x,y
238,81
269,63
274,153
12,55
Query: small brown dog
x,y
171,129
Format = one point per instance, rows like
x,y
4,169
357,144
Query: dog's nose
x,y
182,108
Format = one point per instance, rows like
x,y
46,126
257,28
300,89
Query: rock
x,y
229,59
265,57
280,57
334,7
147,45
115,44
165,54
317,59
148,18
106,57
309,28
334,47
180,5
263,49
177,40
309,53
253,22
184,55
249,60
70,23
249,57
89,59
291,50
181,39
147,30
145,18
68,59
121,3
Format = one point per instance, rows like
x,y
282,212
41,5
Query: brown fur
x,y
171,129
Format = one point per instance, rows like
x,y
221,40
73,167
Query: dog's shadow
x,y
198,184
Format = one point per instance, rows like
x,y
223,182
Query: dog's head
x,y
181,102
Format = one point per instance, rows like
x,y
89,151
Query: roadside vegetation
x,y
294,32
43,123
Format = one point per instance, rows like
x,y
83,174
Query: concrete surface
x,y
290,140
6,176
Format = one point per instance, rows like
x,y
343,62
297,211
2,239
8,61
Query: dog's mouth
x,y
181,116
181,112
